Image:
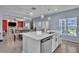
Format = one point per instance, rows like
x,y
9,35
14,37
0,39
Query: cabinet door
x,y
59,39
56,41
53,43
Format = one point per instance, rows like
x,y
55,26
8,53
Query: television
x,y
12,24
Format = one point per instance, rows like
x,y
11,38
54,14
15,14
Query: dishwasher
x,y
46,45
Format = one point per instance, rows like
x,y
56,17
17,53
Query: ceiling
x,y
33,10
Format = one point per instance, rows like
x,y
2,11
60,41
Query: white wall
x,y
54,22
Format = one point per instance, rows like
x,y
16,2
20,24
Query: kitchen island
x,y
34,42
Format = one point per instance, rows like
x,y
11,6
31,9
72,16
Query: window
x,y
27,26
27,23
40,25
68,26
45,25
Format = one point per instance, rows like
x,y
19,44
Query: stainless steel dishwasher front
x,y
46,45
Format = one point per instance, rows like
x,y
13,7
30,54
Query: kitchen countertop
x,y
36,36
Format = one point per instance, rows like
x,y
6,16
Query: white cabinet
x,y
56,41
1,32
53,43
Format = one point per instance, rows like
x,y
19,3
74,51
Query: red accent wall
x,y
4,25
20,24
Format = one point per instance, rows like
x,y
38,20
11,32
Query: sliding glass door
x,y
68,26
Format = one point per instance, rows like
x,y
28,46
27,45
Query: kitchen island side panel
x,y
30,45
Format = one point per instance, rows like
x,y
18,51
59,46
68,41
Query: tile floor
x,y
68,47
9,46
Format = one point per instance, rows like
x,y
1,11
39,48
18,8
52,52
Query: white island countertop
x,y
36,36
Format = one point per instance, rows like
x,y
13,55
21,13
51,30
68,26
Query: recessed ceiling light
x,y
55,9
31,13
